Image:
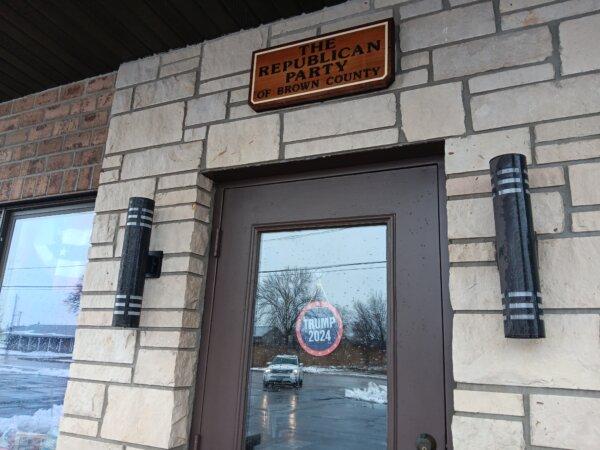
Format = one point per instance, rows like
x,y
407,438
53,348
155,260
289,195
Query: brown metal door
x,y
403,196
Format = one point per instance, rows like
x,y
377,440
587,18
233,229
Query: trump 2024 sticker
x,y
319,328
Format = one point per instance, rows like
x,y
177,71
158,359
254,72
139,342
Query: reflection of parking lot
x,y
316,416
30,385
31,395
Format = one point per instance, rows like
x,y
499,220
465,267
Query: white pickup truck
x,y
284,369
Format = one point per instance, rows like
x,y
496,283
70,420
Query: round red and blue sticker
x,y
319,328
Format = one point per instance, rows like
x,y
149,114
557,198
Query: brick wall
x,y
487,77
52,142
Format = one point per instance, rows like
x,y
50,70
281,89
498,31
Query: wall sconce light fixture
x,y
137,263
516,249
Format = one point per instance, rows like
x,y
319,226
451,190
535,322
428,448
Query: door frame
x,y
319,167
388,220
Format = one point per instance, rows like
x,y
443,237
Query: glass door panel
x,y
318,376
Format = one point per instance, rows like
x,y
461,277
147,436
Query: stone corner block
x,y
138,71
174,291
475,288
471,218
503,403
112,345
179,54
472,252
121,101
84,399
77,443
480,433
168,89
146,416
172,339
101,276
172,368
105,227
115,196
77,425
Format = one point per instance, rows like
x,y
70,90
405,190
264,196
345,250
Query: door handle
x,y
252,441
425,442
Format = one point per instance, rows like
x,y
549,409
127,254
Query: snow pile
x,y
43,421
333,370
36,355
324,370
375,393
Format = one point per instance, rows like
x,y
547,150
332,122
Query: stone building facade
x,y
486,78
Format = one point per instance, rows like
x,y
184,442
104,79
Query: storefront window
x,y
45,255
318,375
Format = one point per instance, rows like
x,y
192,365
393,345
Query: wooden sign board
x,y
345,62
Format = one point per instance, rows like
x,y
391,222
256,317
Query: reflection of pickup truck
x,y
284,369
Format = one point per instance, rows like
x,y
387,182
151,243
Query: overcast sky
x,y
48,255
46,259
354,259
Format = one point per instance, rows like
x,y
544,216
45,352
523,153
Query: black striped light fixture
x,y
516,249
137,263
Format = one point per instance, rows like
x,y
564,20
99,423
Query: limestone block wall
x,y
487,77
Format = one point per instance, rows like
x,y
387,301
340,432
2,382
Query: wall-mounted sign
x,y
355,60
319,328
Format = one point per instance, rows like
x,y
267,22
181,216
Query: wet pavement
x,y
25,388
316,416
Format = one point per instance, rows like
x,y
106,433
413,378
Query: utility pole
x,y
12,324
14,313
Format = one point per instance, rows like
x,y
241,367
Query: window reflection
x,y
39,302
319,367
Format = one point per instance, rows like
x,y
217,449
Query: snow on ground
x,y
44,371
333,370
43,421
37,355
375,393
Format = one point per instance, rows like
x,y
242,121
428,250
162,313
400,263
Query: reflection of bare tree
x,y
346,314
369,323
281,296
73,299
